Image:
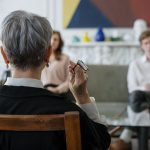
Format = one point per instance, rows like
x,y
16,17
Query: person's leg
x,y
139,100
126,135
124,141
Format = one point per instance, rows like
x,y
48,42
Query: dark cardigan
x,y
28,100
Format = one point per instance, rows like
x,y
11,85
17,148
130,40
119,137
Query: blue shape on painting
x,y
87,16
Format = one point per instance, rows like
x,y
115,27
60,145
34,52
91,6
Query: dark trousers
x,y
139,101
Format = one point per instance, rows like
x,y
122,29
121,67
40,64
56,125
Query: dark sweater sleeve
x,y
94,135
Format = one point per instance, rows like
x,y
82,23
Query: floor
x,y
134,143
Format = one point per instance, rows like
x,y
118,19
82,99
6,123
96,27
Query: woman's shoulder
x,y
65,57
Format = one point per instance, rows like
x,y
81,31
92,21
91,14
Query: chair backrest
x,y
69,121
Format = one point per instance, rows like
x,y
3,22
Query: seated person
x,y
139,94
26,46
55,75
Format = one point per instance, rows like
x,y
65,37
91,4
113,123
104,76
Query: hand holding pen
x,y
78,81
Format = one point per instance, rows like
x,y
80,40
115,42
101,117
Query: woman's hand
x,y
53,90
78,83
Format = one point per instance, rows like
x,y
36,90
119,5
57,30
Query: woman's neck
x,y
32,73
52,57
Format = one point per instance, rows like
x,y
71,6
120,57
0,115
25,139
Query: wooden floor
x,y
134,143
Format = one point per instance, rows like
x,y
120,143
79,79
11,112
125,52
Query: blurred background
x,y
102,33
106,29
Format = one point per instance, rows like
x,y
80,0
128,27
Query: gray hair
x,y
26,38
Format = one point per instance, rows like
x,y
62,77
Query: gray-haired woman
x,y
26,46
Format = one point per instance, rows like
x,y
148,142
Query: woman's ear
x,y
4,55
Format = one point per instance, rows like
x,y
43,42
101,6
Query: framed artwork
x,y
105,13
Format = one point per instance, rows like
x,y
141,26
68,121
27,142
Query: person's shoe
x,y
120,145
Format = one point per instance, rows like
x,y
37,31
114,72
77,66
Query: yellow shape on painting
x,y
68,10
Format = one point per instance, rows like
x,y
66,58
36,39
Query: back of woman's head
x,y
26,38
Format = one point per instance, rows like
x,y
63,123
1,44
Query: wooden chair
x,y
69,121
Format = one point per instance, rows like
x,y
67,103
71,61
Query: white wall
x,y
35,6
41,7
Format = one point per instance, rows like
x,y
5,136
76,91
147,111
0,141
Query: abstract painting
x,y
105,13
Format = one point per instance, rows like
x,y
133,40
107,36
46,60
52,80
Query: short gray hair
x,y
26,38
